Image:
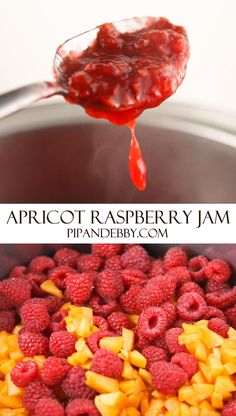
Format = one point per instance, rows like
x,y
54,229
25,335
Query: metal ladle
x,y
17,99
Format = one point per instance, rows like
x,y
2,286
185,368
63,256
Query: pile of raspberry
x,y
118,282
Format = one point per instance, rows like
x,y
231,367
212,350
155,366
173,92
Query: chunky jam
x,y
122,73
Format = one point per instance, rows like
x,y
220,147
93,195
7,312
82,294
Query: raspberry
x,y
222,300
32,343
79,287
18,271
7,321
213,312
133,277
117,321
172,341
24,372
105,362
53,371
152,322
230,315
156,268
160,342
229,409
191,306
151,295
154,354
41,264
174,257
102,307
196,267
187,362
128,299
16,291
166,284
34,317
49,407
74,385
5,303
136,257
219,326
113,263
62,344
66,257
53,303
58,322
109,284
35,391
213,286
170,311
58,275
89,262
106,250
93,340
79,407
100,322
190,287
167,377
218,270
181,274
36,280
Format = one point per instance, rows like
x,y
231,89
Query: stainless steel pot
x,y
56,153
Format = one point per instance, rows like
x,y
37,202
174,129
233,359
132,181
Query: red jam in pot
x,y
123,73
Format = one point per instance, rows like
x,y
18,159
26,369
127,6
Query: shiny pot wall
x,y
56,153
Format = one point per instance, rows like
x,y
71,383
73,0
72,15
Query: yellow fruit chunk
x,y
17,329
200,352
230,368
173,406
128,339
12,389
211,339
203,391
100,383
7,366
205,405
184,410
144,403
124,355
155,408
145,375
16,355
128,371
133,386
134,400
87,365
198,378
185,393
77,358
133,319
81,346
94,329
131,411
114,344
224,385
217,400
206,372
50,287
10,402
215,365
137,359
110,404
13,412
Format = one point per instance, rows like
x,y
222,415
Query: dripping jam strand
x,y
137,166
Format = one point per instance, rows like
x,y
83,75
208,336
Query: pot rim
x,y
197,121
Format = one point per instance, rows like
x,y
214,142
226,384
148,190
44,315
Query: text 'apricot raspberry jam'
x,y
130,66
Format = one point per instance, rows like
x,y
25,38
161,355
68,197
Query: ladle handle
x,y
15,100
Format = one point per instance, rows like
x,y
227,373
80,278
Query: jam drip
x,y
137,166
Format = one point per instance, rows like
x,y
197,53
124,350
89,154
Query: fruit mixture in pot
x,y
117,332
